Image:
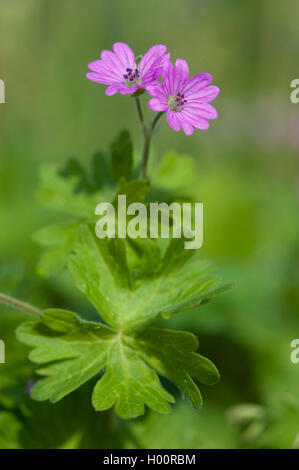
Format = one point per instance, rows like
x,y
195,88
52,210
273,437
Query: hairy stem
x,y
147,133
19,304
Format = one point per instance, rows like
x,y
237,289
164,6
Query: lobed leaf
x,y
125,297
70,351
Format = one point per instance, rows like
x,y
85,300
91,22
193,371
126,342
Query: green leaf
x,y
69,191
62,335
11,273
101,172
129,384
61,194
126,298
69,424
9,430
135,191
17,370
173,355
122,156
70,351
74,168
58,241
174,177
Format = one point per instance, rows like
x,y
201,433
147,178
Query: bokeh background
x,y
247,175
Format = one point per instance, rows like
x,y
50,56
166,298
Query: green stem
x,y
19,304
140,114
147,133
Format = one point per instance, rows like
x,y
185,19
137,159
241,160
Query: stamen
x,y
132,78
175,102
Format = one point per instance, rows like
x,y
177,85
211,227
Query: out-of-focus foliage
x,y
245,170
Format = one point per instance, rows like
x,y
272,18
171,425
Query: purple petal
x,y
193,119
95,77
189,117
124,90
152,58
157,105
124,54
181,74
207,94
203,124
168,79
187,128
196,83
201,109
164,61
157,91
111,59
105,71
112,89
173,120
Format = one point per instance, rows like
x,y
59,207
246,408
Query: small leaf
x,y
17,370
135,191
58,239
74,168
9,430
59,193
101,172
122,156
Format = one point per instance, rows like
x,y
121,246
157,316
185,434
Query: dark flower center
x,y
132,77
175,102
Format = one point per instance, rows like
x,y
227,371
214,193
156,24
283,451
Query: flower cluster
x,y
184,100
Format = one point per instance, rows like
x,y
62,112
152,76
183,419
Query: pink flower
x,y
119,71
186,101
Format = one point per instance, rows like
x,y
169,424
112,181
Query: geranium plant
x,y
131,283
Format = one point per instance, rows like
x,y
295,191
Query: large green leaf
x,y
70,351
127,298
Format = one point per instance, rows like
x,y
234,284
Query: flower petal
x,y
187,128
203,124
106,71
201,109
111,60
157,105
193,119
181,75
196,83
207,94
103,79
124,54
157,91
173,120
150,58
112,89
168,79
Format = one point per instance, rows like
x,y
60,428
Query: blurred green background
x,y
247,175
